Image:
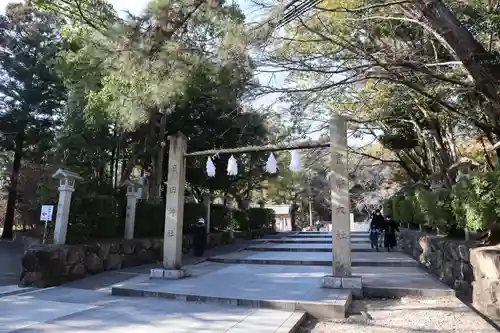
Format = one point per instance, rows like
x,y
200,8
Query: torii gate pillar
x,y
341,221
174,211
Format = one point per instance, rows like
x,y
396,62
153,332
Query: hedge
x,y
473,203
254,218
97,213
150,218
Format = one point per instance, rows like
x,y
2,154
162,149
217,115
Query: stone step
x,y
377,259
264,286
304,249
326,236
250,261
336,308
315,240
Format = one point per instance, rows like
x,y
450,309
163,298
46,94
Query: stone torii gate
x,y
341,241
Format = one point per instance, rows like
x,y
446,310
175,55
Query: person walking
x,y
318,226
376,227
199,238
390,229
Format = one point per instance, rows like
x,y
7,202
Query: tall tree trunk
x,y
467,49
128,167
161,154
14,180
112,158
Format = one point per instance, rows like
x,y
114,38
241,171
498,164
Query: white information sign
x,y
46,214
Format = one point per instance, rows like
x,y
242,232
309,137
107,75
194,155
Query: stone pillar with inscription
x,y
341,219
174,211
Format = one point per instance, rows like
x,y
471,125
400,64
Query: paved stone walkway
x,y
65,310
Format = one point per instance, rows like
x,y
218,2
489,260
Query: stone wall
x,y
51,265
485,263
463,265
447,259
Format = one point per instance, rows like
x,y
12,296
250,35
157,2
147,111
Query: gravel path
x,y
409,315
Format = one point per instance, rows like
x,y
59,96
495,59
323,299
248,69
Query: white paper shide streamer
x,y
295,161
232,166
271,165
210,167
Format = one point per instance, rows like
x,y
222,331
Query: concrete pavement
x,y
63,310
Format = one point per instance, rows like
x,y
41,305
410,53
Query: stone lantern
x,y
463,168
133,193
436,182
66,188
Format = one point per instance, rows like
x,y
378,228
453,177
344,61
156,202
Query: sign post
x,y
46,216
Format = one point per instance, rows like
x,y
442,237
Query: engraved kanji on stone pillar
x,y
339,187
341,277
174,207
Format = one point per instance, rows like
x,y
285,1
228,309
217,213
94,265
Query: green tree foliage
x,y
396,77
32,92
210,114
476,202
145,61
471,203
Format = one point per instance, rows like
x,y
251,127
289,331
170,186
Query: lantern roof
x,y
464,161
62,173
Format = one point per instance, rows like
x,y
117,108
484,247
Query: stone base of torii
x,y
341,276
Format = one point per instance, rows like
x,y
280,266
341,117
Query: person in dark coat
x,y
199,238
376,227
391,227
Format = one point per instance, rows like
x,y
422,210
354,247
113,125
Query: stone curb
x,y
336,309
17,292
292,324
388,292
311,262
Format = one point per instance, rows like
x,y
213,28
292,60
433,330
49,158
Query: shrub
x,y
254,218
388,207
435,208
150,218
473,203
476,202
261,218
95,214
403,209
